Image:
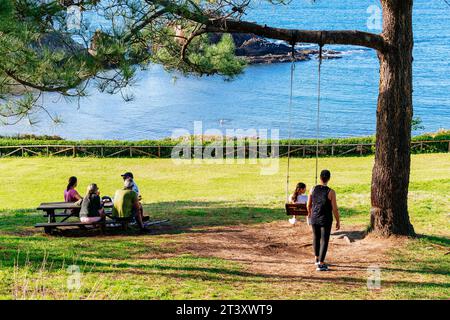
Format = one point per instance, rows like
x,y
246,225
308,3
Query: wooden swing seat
x,y
299,209
296,209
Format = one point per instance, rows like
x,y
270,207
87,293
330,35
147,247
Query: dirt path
x,y
279,249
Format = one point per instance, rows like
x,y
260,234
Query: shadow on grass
x,y
192,268
439,240
171,269
197,213
184,216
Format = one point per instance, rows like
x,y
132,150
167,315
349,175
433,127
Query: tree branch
x,y
292,36
63,89
143,24
188,41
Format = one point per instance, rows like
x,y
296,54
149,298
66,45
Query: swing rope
x,y
318,109
290,118
290,113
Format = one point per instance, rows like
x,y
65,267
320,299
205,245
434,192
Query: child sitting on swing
x,y
298,196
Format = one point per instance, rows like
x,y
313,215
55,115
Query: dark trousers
x,y
321,237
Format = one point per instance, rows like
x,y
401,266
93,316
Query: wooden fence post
x,y
74,151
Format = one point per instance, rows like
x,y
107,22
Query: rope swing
x,y
318,109
300,209
290,118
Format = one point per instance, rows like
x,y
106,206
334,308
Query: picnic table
x,y
65,210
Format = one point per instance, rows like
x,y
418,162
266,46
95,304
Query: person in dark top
x,y
91,206
322,206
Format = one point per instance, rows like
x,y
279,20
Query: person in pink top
x,y
71,194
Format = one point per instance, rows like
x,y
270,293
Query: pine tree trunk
x,y
390,176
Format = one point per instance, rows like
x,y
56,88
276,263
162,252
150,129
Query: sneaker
x,y
322,267
293,220
316,263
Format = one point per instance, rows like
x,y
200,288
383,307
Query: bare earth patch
x,y
276,249
282,250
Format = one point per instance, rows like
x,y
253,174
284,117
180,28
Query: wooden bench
x,y
296,209
49,227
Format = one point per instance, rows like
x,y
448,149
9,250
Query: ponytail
x,y
72,183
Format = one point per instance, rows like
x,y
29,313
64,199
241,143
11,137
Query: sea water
x,y
259,97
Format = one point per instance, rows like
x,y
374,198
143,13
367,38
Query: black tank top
x,y
322,213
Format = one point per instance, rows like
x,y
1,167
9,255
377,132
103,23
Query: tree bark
x,y
390,176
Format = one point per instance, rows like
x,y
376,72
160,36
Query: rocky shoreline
x,y
254,49
258,50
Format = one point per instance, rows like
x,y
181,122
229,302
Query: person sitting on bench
x,y
71,194
91,207
129,175
298,197
126,204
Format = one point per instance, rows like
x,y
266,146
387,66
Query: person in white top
x,y
135,188
298,196
129,175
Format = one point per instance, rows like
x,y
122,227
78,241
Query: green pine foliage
x,y
39,53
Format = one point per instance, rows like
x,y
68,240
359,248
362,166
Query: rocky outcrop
x,y
258,50
57,42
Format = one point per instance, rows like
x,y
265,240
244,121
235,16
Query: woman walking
x,y
322,206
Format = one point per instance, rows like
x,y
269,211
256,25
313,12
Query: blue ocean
x,y
259,98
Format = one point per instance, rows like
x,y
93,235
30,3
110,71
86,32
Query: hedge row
x,y
54,140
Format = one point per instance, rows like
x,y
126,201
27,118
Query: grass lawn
x,y
199,199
